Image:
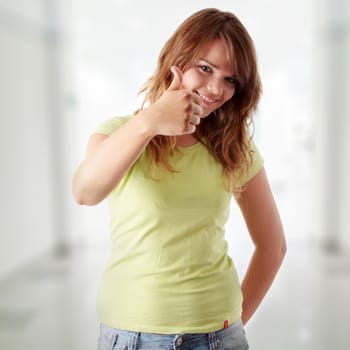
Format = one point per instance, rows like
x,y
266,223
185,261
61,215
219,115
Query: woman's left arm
x,y
265,228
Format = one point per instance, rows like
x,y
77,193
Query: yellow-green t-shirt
x,y
169,271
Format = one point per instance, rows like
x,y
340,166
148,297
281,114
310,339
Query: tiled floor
x,y
51,305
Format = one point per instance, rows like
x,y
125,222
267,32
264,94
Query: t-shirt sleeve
x,y
256,166
109,126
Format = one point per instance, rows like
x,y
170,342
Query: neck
x,y
185,140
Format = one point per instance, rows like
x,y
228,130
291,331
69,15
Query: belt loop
x,y
133,340
213,341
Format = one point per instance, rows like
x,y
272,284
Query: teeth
x,y
206,99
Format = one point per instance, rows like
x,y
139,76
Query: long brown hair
x,y
226,132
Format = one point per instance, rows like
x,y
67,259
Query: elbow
x,y
81,200
85,200
276,251
84,196
283,247
280,245
282,251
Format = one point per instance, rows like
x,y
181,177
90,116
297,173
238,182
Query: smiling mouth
x,y
206,99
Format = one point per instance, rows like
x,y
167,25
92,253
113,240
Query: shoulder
x,y
112,124
256,165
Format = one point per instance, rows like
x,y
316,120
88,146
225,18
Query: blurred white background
x,y
66,66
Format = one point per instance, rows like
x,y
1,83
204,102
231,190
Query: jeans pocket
x,y
107,339
233,338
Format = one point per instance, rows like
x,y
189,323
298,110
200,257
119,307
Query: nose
x,y
215,86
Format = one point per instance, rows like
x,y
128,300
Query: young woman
x,y
169,172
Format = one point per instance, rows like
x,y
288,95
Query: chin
x,y
207,114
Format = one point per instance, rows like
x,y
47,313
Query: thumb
x,y
177,78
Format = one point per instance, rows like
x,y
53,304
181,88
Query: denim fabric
x,y
231,338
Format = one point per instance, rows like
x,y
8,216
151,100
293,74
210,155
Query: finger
x,y
177,78
196,98
197,109
190,129
195,120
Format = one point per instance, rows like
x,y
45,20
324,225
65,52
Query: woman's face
x,y
211,77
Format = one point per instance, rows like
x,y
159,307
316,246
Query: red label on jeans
x,y
225,324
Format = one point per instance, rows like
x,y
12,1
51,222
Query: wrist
x,y
145,124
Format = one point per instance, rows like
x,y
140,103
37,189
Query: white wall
x,y
26,211
31,143
332,112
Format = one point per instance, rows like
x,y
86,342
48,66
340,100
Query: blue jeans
x,y
231,338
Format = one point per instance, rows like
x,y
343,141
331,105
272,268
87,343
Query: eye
x,y
232,80
205,68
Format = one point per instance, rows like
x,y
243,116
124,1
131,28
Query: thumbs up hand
x,y
178,111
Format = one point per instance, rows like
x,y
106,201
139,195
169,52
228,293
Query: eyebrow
x,y
215,66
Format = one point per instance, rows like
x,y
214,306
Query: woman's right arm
x,y
108,158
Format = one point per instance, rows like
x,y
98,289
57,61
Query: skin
x,y
192,95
